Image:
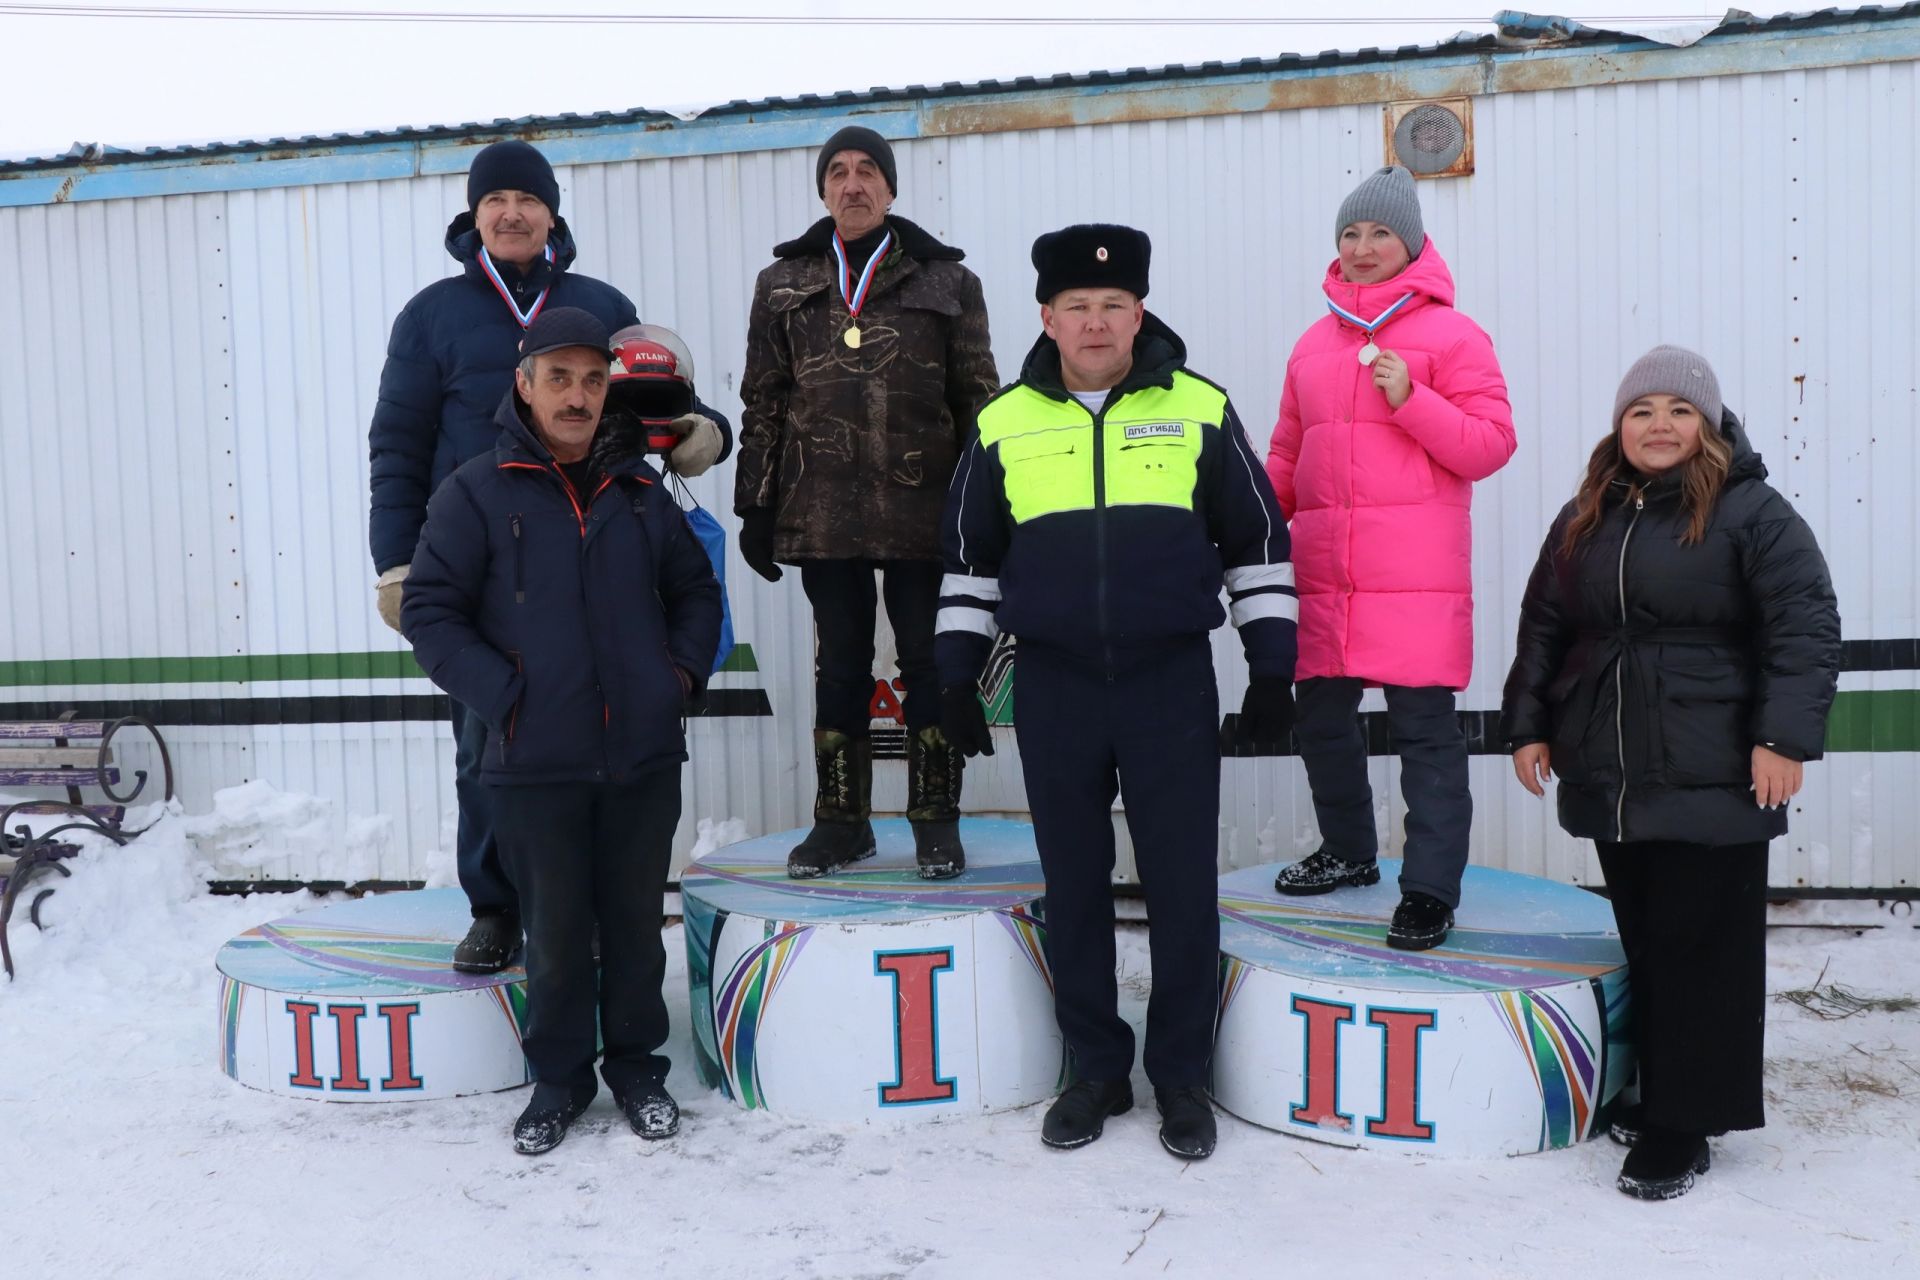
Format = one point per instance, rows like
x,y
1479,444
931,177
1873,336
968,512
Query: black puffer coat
x,y
1652,669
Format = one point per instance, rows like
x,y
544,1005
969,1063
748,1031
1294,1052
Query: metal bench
x,y
68,753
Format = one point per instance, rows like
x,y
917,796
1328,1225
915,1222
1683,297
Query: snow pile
x,y
127,1152
256,830
711,834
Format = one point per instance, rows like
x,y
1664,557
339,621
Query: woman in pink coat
x,y
1394,405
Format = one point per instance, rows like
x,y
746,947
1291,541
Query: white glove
x,y
699,446
386,594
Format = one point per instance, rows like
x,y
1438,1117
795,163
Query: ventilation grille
x,y
1432,139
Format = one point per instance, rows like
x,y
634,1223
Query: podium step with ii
x,y
1512,1036
871,993
359,1002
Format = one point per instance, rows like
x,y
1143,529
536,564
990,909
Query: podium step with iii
x,y
358,1002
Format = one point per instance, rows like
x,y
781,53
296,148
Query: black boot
x,y
490,945
1187,1127
544,1123
1078,1116
650,1109
1663,1164
842,807
934,769
1323,872
1420,922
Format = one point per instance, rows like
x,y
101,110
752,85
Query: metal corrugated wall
x,y
195,375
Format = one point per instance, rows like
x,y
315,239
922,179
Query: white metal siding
x,y
185,384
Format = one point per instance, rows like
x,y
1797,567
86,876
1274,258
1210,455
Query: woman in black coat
x,y
1678,651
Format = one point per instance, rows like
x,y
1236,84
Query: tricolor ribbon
x,y
856,296
1362,325
506,295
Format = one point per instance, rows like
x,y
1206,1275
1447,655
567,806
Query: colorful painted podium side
x,y
871,993
359,1002
1511,1037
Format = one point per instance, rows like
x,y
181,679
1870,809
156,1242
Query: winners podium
x,y
871,993
359,1002
1510,1037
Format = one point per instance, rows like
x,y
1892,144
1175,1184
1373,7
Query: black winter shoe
x,y
1187,1128
1078,1116
1323,872
543,1125
490,945
650,1109
842,807
1663,1165
934,769
1419,923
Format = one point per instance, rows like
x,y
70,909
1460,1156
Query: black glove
x,y
1266,713
756,542
963,719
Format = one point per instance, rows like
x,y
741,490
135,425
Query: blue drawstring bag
x,y
713,540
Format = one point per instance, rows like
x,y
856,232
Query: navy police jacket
x,y
559,616
1110,534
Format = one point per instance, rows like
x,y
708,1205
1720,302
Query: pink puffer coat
x,y
1380,499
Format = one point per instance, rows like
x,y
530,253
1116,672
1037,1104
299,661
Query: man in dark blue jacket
x,y
558,592
449,361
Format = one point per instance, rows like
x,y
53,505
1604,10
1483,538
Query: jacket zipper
x,y
1100,533
519,561
1619,696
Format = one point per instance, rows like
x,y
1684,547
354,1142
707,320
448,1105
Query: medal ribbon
x,y
856,296
1379,320
506,295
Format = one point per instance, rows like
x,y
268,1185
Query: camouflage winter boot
x,y
842,807
934,767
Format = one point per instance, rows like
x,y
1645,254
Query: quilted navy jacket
x,y
559,615
450,359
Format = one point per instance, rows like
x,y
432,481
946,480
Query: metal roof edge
x,y
1471,66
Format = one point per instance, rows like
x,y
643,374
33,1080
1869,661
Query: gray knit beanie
x,y
1673,371
1386,197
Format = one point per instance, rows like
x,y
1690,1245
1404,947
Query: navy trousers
x,y
586,853
1152,735
476,852
1433,778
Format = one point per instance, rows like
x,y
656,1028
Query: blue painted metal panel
x,y
1861,36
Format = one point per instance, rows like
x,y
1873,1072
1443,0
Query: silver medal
x,y
1368,354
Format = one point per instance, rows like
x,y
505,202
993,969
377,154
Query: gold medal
x,y
852,336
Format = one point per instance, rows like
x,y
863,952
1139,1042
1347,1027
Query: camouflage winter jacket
x,y
853,446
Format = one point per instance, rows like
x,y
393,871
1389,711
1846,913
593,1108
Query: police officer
x,y
1109,496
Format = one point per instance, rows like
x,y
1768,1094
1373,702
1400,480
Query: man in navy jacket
x,y
558,592
450,359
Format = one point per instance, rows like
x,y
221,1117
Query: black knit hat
x,y
857,138
512,165
1092,255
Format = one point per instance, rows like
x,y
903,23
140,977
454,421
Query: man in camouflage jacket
x,y
867,358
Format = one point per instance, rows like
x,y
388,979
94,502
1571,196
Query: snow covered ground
x,y
125,1152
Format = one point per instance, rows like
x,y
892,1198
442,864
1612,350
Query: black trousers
x,y
1433,778
581,854
1693,921
476,853
1152,734
844,603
